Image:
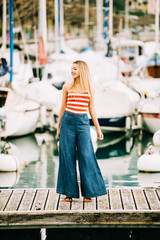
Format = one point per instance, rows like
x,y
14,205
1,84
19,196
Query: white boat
x,y
114,106
146,77
109,92
131,51
19,70
149,109
22,72
19,113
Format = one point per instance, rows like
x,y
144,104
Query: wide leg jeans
x,y
75,136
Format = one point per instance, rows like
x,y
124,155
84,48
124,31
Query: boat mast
x,y
43,22
11,36
106,14
61,26
126,14
110,21
57,25
157,26
119,48
86,17
4,26
99,40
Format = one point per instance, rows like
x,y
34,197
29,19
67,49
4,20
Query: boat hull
x,y
120,124
154,71
21,123
151,122
20,115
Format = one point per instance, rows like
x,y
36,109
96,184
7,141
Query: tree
x,y
118,6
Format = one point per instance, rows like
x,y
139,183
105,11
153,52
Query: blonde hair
x,y
85,77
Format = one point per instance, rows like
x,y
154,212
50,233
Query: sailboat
x,y
19,114
146,80
146,76
114,102
149,109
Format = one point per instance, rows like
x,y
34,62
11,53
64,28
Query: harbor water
x,y
117,157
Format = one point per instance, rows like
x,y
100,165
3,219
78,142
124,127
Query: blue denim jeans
x,y
75,136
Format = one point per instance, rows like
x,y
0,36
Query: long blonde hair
x,y
85,77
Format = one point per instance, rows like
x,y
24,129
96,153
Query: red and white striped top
x,y
77,102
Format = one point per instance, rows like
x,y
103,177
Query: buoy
x,y
149,163
8,163
156,138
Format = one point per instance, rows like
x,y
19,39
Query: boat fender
x,y
8,163
139,121
128,123
149,163
156,138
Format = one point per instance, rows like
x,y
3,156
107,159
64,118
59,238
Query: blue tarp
x,y
153,61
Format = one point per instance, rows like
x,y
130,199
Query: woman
x,y
74,133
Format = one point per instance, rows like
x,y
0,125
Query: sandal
x,y
68,199
87,199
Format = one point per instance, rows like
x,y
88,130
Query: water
x,y
117,157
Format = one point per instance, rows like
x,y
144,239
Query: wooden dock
x,y
43,208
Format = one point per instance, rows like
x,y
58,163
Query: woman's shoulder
x,y
67,86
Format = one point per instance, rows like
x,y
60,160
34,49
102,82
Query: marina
x,y
40,41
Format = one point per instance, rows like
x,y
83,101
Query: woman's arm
x,y
93,115
63,106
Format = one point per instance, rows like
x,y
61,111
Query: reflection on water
x,y
117,158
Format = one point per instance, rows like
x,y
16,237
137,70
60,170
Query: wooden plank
x,y
90,205
40,200
77,204
115,199
52,200
63,205
127,199
102,202
140,199
4,198
152,198
67,219
158,192
27,200
15,200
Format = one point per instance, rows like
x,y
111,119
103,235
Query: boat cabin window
x,y
128,51
3,97
140,50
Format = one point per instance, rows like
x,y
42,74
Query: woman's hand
x,y
100,135
58,132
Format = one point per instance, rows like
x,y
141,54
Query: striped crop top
x,y
77,102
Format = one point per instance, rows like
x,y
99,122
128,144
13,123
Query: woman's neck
x,y
77,81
